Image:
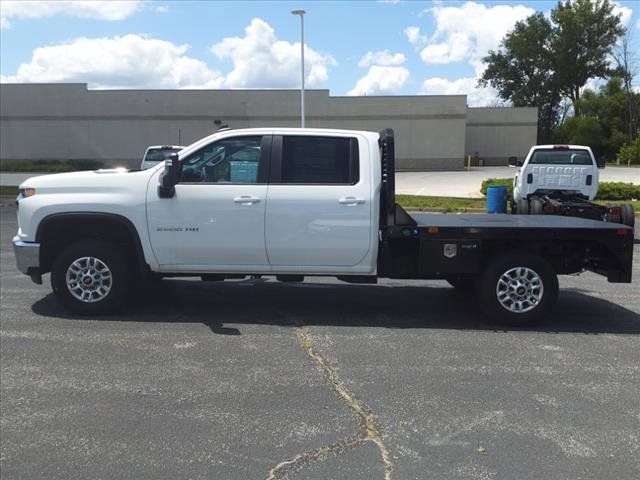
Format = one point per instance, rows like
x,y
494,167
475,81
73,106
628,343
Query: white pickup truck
x,y
292,203
563,180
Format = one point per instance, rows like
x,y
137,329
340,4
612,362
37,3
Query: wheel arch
x,y
58,230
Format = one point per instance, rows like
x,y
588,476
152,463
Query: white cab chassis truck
x,y
156,154
562,180
292,203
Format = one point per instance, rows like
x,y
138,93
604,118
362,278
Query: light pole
x,y
301,14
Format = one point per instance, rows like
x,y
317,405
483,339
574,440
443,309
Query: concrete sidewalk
x,y
434,184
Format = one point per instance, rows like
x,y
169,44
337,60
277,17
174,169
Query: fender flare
x,y
55,217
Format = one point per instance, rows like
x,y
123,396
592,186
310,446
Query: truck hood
x,y
88,181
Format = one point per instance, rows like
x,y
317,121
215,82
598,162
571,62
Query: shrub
x,y
507,182
84,164
606,190
630,154
49,166
618,191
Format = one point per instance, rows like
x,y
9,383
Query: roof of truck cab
x,y
272,131
165,146
561,145
291,130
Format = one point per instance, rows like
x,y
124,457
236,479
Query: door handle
x,y
246,200
351,201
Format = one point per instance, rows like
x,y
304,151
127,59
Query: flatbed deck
x,y
510,221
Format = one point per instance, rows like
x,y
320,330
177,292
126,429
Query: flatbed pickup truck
x,y
292,203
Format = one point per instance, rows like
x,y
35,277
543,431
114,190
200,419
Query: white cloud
x,y
381,80
476,97
260,60
414,35
467,32
101,10
383,57
130,61
624,12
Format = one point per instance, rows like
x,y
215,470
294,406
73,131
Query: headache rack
x,y
390,212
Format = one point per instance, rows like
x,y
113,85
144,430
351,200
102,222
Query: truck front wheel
x,y
90,278
518,289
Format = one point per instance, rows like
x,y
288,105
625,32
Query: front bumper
x,y
28,258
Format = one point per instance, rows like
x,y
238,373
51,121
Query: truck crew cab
x,y
292,203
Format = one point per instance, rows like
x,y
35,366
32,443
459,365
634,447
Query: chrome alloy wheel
x,y
519,290
89,279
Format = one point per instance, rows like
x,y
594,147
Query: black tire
x,y
464,283
613,217
536,206
627,215
487,289
118,284
522,207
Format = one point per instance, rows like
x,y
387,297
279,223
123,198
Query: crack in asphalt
x,y
370,433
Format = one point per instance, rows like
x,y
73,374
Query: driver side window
x,y
231,160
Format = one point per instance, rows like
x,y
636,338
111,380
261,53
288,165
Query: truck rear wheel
x,y
522,206
627,215
536,206
518,289
90,277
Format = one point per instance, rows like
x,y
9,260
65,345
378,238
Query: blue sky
x,y
353,48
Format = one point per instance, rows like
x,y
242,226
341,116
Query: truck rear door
x,y
319,208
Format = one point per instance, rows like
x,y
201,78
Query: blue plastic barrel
x,y
497,199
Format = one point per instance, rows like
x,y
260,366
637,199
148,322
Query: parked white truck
x,y
563,180
156,154
292,203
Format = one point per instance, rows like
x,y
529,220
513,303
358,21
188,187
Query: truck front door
x,y
215,221
318,207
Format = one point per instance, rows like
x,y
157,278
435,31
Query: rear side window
x,y
561,157
320,160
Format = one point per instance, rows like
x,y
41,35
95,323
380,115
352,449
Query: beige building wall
x,y
498,133
68,121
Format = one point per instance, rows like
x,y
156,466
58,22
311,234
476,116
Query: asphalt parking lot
x,y
321,380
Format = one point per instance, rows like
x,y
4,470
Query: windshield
x,y
159,154
570,156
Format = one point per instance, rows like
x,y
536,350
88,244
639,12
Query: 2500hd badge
x,y
178,229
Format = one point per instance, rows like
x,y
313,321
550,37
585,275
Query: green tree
x,y
630,154
585,32
627,69
521,70
584,130
543,61
608,107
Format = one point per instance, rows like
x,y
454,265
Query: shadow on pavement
x,y
385,306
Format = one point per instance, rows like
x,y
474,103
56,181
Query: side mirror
x,y
170,177
600,162
513,162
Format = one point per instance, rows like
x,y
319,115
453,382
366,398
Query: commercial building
x,y
69,121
